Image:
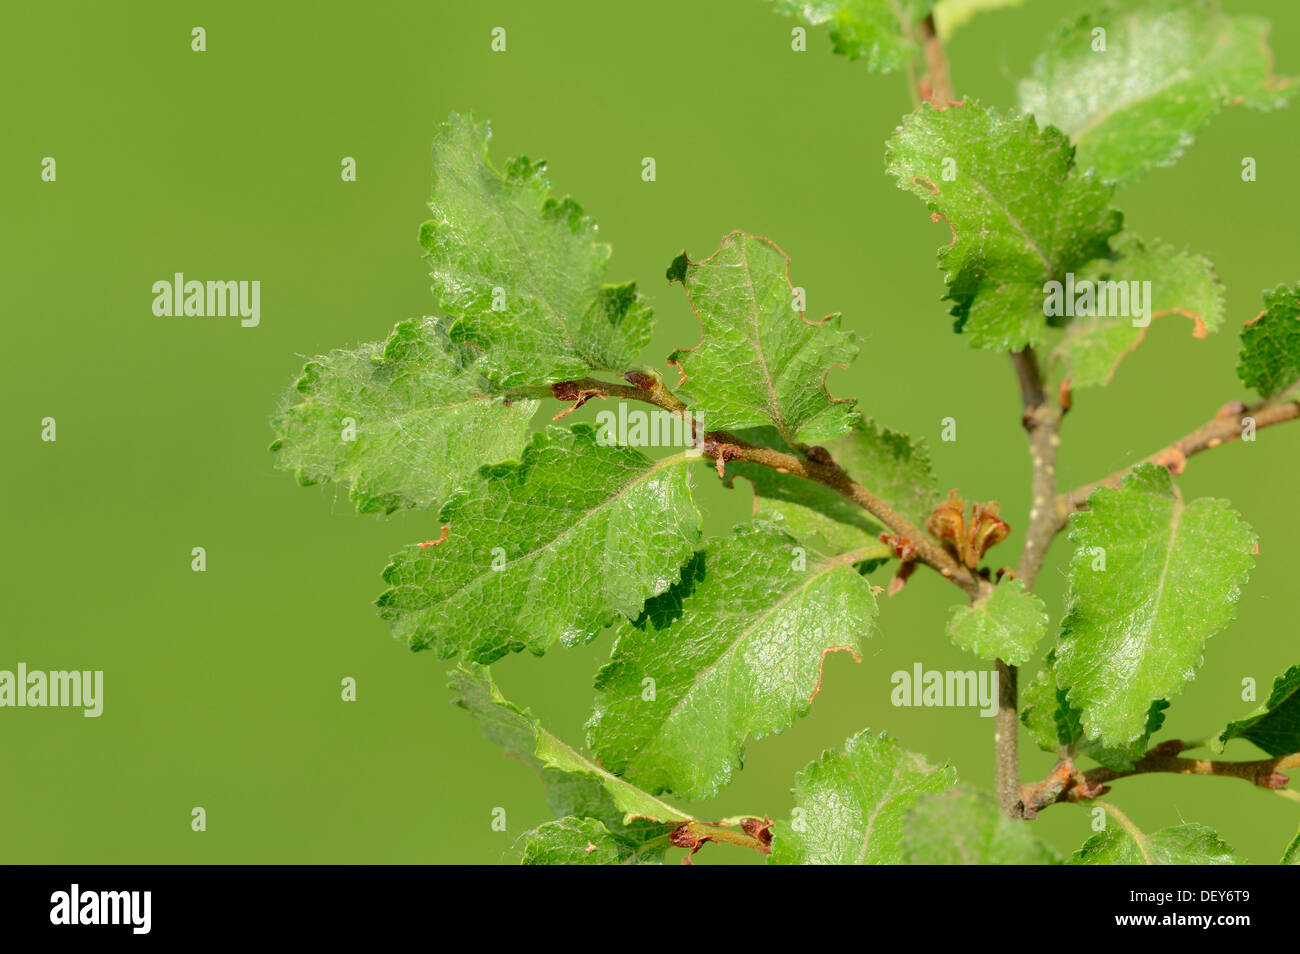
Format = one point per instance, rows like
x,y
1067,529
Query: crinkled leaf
x,y
404,422
880,32
1276,727
584,784
1057,726
1020,214
895,468
1182,282
551,548
1270,345
1167,68
759,360
963,826
1180,845
1007,624
1136,629
851,806
521,270
733,651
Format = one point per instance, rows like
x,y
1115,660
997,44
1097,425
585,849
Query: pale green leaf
x,y
1020,214
1007,624
1270,345
1182,283
1136,629
404,422
518,732
963,826
880,32
1180,845
759,360
894,468
1167,68
734,651
584,841
851,806
551,548
521,270
1275,728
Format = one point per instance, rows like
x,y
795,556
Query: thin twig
x,y
1227,426
1065,784
816,466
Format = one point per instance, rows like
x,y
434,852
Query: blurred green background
x,y
223,688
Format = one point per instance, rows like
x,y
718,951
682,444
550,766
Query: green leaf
x,y
963,826
1057,726
1270,345
851,806
1136,629
521,271
1276,727
759,360
404,422
895,468
950,15
518,732
1167,68
1180,845
1020,214
552,548
1007,624
733,651
1182,282
881,32
1292,854
584,841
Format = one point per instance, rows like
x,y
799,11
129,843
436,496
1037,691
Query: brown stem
x,y
753,833
1042,422
816,466
936,64
1067,785
1006,743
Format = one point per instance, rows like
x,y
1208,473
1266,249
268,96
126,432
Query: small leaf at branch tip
x,y
967,539
1136,629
